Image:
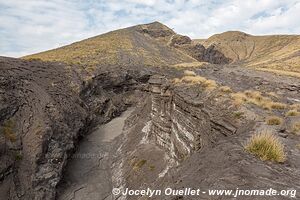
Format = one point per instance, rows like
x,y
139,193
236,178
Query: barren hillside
x,y
281,52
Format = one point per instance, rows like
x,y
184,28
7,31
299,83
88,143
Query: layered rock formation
x,y
186,120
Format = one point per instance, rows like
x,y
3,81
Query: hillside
x,y
279,52
129,46
151,44
155,44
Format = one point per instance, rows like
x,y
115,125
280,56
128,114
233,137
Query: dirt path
x,y
88,173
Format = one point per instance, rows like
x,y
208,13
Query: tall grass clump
x,y
266,146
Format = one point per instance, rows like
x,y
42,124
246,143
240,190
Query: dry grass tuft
x,y
296,128
225,89
189,73
277,105
208,84
239,98
193,79
292,113
253,94
266,146
274,120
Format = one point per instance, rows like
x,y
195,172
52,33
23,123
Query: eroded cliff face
x,y
198,51
184,119
45,108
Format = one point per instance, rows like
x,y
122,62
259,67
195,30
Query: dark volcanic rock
x,y
41,117
156,30
44,109
198,51
180,40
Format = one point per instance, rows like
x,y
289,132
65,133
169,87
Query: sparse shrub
x,y
189,73
18,156
152,167
274,120
225,89
266,146
139,164
292,113
238,114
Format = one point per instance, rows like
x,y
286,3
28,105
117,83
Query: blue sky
x,y
30,26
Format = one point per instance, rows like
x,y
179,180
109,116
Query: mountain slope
x,y
280,52
151,44
129,46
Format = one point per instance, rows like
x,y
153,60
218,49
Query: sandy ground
x,y
87,175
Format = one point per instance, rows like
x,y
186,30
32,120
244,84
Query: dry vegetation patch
x,y
292,113
225,89
266,146
277,105
191,79
256,98
274,120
